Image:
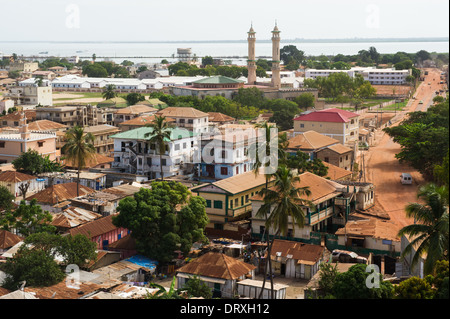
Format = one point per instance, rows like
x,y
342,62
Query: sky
x,y
203,20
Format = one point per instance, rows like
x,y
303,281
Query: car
x,y
406,178
429,83
421,102
344,256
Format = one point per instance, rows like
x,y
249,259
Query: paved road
x,y
383,169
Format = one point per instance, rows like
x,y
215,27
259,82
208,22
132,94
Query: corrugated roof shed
x,y
297,250
73,217
60,192
95,228
217,265
15,177
8,239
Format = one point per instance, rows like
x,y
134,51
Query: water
x,y
118,51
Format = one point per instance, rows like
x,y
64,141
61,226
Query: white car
x,y
344,256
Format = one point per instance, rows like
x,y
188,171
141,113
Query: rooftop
x,y
143,120
95,228
97,159
370,227
311,140
137,109
220,79
8,239
304,253
188,112
217,265
101,129
15,177
139,134
73,217
45,125
339,148
333,115
60,192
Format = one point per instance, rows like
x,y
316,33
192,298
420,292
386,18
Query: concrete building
x,y
70,115
21,66
30,95
187,118
13,144
131,112
134,154
335,123
103,142
13,180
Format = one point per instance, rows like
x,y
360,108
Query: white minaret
x,y
251,62
276,80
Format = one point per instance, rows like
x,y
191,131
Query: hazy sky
x,y
173,20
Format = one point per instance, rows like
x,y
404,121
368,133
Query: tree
x,y
33,163
39,80
250,97
95,70
430,232
441,172
414,288
109,92
283,205
78,149
302,163
36,267
94,57
438,99
127,63
207,60
305,101
197,288
327,277
162,293
290,53
161,132
27,219
134,98
6,198
352,285
156,222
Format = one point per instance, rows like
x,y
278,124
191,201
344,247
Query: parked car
x,y
406,178
344,256
421,102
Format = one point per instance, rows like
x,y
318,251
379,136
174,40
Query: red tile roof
x,y
328,115
60,192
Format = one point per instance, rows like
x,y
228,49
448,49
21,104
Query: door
x,y
217,292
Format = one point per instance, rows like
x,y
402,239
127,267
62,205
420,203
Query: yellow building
x,y
229,199
336,123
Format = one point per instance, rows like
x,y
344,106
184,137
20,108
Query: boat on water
x,y
43,52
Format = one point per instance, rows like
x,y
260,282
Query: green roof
x,y
139,134
220,79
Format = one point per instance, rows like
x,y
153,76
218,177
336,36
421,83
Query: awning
x,y
203,278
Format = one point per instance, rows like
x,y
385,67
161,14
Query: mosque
x,y
228,87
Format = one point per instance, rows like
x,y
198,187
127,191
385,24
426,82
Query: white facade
x,y
371,74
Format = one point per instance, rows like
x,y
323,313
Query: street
x,y
383,169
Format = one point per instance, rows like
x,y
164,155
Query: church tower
x,y
276,80
251,62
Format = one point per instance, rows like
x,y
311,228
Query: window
x,y
190,121
218,226
302,125
224,170
261,229
164,162
224,154
326,159
5,123
177,147
184,145
40,144
290,233
149,161
346,157
208,203
2,144
16,123
218,204
181,121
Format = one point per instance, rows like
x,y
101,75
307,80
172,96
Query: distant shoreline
x,y
297,40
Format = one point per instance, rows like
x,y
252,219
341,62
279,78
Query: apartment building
x,y
134,154
70,115
30,95
188,118
131,112
103,142
336,123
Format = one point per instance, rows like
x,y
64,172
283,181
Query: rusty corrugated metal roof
x,y
60,192
8,239
73,217
15,177
217,265
95,228
297,250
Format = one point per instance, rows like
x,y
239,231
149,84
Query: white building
x,y
134,154
371,74
31,95
187,118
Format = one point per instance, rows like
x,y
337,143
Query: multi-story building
x,y
134,154
70,115
131,112
336,123
140,121
103,142
13,144
187,118
22,66
31,95
371,74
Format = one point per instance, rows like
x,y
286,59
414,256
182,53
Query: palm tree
x,y
94,57
259,164
78,149
283,203
109,92
39,81
161,132
429,232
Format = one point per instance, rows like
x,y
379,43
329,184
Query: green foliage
x,y
134,98
352,285
95,70
156,224
109,92
51,62
327,277
31,162
441,172
305,101
302,163
424,138
36,267
197,288
6,198
290,54
162,293
207,60
414,288
27,219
